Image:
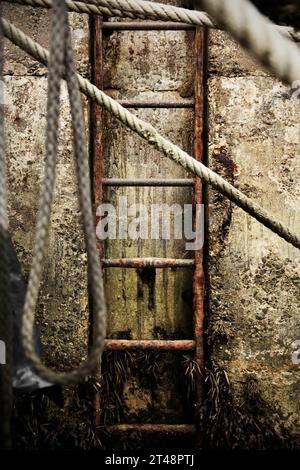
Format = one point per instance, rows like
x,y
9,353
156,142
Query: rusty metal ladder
x,y
196,344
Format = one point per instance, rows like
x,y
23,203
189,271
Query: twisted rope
x,y
130,9
60,56
258,35
6,325
147,132
145,10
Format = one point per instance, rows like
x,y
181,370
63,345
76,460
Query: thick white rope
x,y
61,61
147,132
255,32
132,9
143,10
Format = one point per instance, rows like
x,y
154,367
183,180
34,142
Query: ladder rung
x,y
188,103
149,345
147,182
147,263
175,429
146,26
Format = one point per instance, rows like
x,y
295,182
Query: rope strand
x,y
150,10
257,34
58,57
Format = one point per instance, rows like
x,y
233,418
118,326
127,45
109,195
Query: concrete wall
x,y
252,278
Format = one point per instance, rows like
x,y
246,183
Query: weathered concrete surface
x,y
63,301
253,274
35,22
161,300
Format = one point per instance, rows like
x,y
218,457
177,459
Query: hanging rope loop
x,y
61,64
